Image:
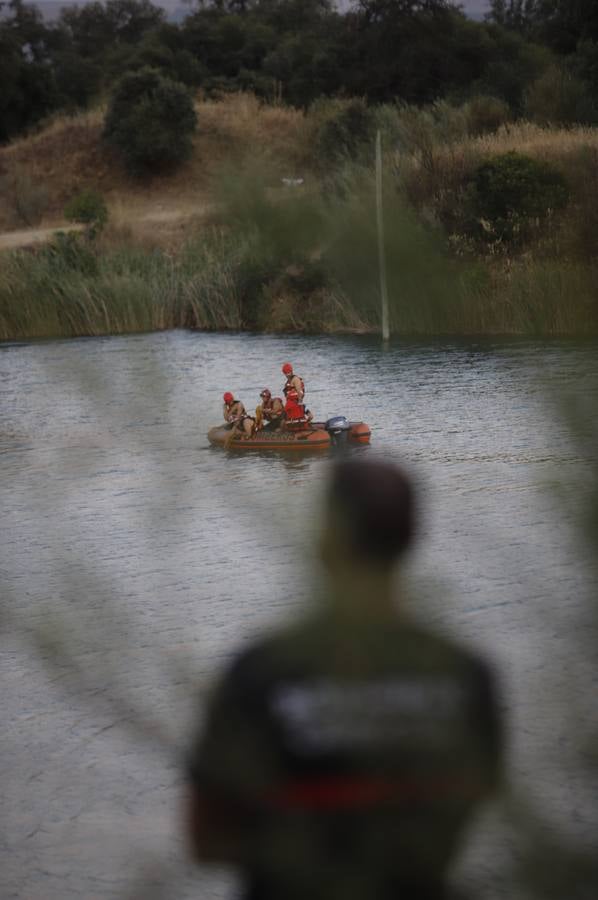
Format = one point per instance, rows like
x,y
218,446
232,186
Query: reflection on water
x,y
162,554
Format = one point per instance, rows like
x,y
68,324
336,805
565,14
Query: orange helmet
x,y
287,369
228,397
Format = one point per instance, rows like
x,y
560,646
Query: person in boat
x,y
295,412
235,415
347,753
270,413
293,381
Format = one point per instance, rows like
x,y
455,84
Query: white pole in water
x,y
381,250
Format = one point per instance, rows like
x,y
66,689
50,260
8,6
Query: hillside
x,y
223,243
40,173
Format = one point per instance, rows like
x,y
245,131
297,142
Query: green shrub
x,y
151,121
346,133
88,207
511,193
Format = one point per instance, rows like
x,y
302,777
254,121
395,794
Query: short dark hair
x,y
376,499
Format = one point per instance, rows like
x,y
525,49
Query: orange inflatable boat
x,y
315,436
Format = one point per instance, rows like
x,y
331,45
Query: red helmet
x,y
287,369
228,397
266,393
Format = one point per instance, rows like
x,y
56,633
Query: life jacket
x,y
289,384
269,409
294,411
238,414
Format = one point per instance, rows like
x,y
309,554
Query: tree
x,y
564,23
584,64
561,24
28,91
151,121
161,49
417,52
293,43
512,64
95,27
515,14
381,9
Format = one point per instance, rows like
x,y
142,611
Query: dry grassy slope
x,y
452,164
68,155
545,143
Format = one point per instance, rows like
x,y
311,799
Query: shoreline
x,y
429,337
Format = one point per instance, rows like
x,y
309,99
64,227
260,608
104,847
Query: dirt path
x,y
13,240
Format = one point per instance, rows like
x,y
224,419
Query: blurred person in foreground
x,y
343,757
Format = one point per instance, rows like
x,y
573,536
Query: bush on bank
x,y
513,194
150,121
87,207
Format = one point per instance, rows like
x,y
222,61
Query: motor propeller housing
x,y
338,428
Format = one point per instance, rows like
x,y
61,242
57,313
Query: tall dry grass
x,y
555,145
247,127
550,144
446,166
64,156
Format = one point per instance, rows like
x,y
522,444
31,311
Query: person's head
x,y
370,516
228,398
266,395
287,369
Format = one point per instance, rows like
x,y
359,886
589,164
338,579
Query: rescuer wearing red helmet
x,y
293,381
294,411
271,409
234,414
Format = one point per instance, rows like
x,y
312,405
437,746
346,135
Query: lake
x,y
136,559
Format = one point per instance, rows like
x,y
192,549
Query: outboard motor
x,y
338,428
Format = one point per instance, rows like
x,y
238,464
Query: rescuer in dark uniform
x,y
342,758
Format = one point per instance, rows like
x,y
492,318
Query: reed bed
x,y
219,281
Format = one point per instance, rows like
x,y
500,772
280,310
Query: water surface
x,y
135,559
